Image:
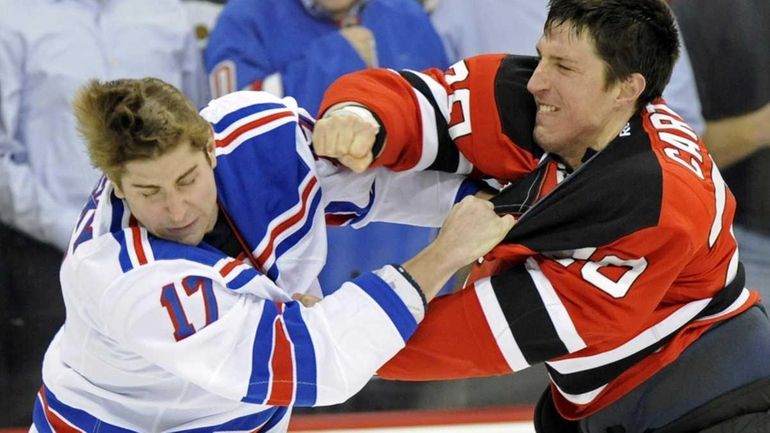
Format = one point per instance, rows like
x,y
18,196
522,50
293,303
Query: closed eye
x,y
188,181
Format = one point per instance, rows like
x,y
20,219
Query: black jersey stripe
x,y
447,156
527,315
588,380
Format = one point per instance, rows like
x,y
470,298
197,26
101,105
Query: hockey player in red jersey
x,y
622,273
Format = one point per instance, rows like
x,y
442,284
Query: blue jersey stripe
x,y
38,417
123,257
237,115
346,207
243,278
389,301
304,355
278,416
89,423
77,417
260,358
468,187
273,273
248,422
117,213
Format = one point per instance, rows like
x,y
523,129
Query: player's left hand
x,y
305,299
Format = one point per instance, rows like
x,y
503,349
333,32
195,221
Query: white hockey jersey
x,y
165,337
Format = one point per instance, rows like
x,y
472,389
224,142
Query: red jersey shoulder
x,y
492,114
694,191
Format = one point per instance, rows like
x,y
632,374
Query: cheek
x,y
146,213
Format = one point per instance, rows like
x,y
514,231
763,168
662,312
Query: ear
x,y
631,87
211,153
118,191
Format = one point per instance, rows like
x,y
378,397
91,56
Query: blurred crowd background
x,y
49,48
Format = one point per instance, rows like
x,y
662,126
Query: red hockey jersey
x,y
612,270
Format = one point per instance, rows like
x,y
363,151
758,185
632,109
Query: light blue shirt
x,y
48,49
476,27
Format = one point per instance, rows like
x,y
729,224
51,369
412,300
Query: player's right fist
x,y
348,136
470,230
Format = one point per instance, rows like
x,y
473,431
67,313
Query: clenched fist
x,y
346,136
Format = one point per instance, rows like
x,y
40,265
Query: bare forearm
x,y
732,139
430,270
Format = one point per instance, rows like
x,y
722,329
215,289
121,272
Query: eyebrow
x,y
557,58
185,174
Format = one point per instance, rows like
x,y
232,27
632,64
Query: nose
x,y
176,207
538,81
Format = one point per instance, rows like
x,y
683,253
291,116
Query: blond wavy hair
x,y
135,119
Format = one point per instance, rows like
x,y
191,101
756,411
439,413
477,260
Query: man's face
x,y
173,196
573,105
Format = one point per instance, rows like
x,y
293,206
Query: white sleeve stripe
x,y
407,292
254,132
720,195
645,339
273,84
438,92
222,78
276,231
463,165
560,318
732,268
249,119
499,327
429,132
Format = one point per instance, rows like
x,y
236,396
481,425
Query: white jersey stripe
x,y
645,339
562,322
272,236
254,132
720,196
248,119
429,133
499,327
581,399
739,302
438,92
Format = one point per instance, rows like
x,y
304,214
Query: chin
x,y
189,239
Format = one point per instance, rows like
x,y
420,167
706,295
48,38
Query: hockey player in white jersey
x,y
180,274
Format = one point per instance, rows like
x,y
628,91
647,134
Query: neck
x,y
602,140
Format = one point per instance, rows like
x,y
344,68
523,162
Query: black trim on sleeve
x,y
379,139
527,315
515,105
447,157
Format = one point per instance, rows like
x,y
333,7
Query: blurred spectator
x,y
297,48
514,26
48,49
202,14
728,42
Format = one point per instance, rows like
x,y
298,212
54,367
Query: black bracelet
x,y
414,284
379,140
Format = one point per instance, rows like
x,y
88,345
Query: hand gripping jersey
x,y
165,337
611,271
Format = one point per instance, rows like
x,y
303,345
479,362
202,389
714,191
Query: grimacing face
x,y
574,105
173,196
